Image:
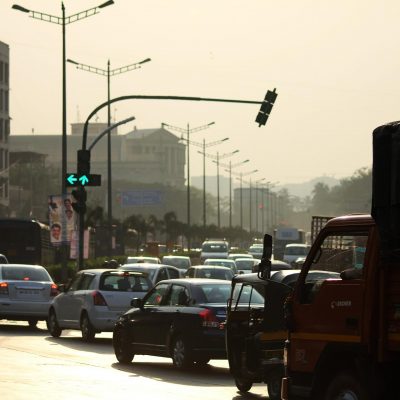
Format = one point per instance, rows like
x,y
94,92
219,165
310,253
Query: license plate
x,y
28,291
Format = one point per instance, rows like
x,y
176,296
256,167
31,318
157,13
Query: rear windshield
x,y
212,293
14,273
124,282
214,273
244,264
214,247
294,251
177,262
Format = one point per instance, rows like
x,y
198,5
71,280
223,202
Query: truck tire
x,y
345,386
274,384
243,385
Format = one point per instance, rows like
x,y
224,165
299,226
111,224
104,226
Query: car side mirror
x,y
137,303
264,268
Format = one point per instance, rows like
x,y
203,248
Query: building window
x,y
1,159
5,159
6,130
6,100
1,71
6,72
136,149
1,99
1,129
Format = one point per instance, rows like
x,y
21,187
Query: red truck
x,y
344,334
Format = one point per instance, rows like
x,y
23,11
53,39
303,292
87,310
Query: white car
x,y
94,300
246,265
223,262
26,292
142,259
214,248
293,251
210,272
235,256
155,272
180,262
256,250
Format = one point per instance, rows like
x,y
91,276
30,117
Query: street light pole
x,y
108,73
63,21
188,131
216,160
257,182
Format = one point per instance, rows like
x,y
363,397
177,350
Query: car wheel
x,y
345,386
32,322
122,348
87,329
181,354
52,324
274,384
244,385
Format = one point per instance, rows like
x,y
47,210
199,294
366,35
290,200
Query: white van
x,y
214,248
295,250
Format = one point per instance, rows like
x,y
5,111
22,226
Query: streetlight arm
x,y
233,165
209,144
126,68
199,128
88,68
110,129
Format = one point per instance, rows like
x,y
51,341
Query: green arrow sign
x,y
71,179
84,180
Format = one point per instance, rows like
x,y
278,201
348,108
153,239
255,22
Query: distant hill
x,y
295,189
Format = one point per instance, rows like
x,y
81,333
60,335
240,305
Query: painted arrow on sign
x,y
84,180
71,179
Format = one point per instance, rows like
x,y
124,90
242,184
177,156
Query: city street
x,y
36,366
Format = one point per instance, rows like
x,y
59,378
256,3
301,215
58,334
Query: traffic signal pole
x,y
269,98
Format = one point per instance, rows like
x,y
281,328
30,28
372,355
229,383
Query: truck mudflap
x,y
285,388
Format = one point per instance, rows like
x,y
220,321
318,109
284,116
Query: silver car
x,y
94,300
155,272
26,292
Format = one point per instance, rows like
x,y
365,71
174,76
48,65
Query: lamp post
x,y
63,21
230,166
205,145
257,182
216,161
108,73
240,177
188,131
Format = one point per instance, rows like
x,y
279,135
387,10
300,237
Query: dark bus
x,y
26,242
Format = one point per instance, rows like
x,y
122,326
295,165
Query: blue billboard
x,y
141,198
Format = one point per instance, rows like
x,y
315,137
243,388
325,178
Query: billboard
x,y
141,198
62,219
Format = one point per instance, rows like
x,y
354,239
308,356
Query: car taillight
x,y
209,319
54,290
3,288
98,299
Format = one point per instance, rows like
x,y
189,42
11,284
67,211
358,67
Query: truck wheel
x,y
244,385
274,384
345,386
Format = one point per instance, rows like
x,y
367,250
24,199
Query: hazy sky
x,y
335,65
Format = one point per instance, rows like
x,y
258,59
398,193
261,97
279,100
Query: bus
x,y
25,241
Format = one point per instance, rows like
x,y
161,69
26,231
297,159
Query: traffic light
x,y
83,162
79,200
266,107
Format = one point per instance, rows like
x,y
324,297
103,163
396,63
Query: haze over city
x,y
333,64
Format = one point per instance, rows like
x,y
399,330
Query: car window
x,y
14,273
124,282
162,275
179,296
190,273
173,273
85,282
157,296
74,283
212,293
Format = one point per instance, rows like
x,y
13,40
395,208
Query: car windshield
x,y
214,293
245,264
215,273
247,294
149,271
221,263
214,247
14,273
124,282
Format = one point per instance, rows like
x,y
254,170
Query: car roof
x,y
210,267
297,245
145,266
221,259
197,281
99,271
22,265
180,257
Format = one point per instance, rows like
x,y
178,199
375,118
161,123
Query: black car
x,y
179,318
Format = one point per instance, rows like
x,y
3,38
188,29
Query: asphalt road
x,y
35,365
